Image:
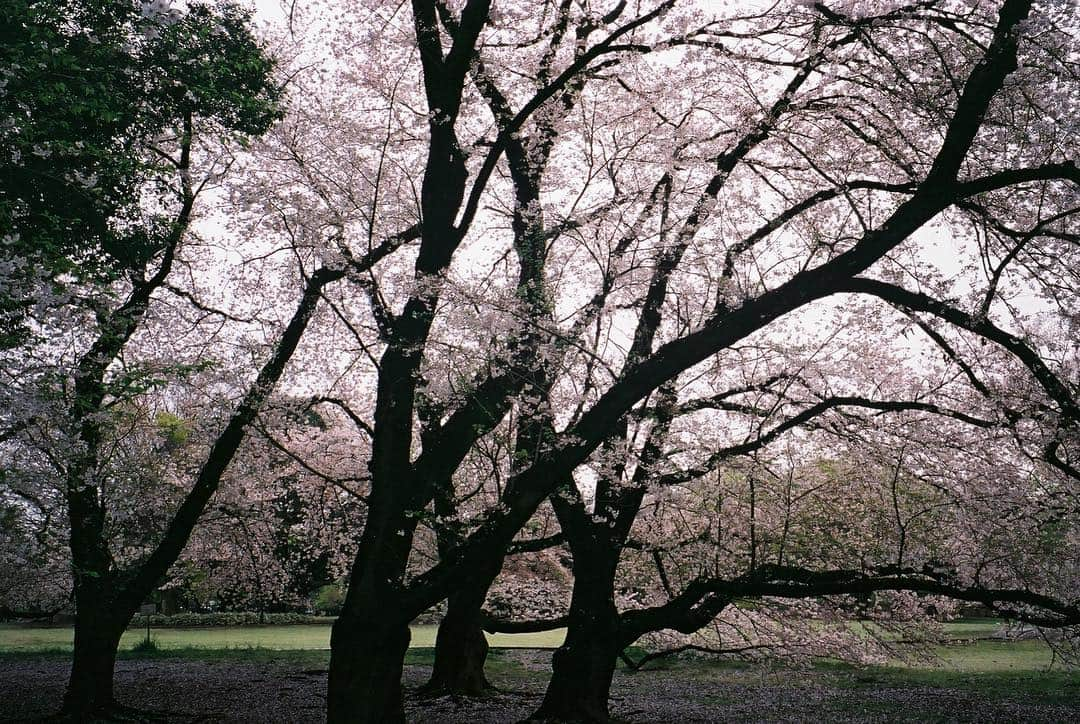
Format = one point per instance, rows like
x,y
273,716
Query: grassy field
x,y
971,679
972,662
995,669
30,639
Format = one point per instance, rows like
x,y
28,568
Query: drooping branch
x,y
535,545
339,482
360,423
685,648
494,625
809,414
791,582
1051,383
1064,171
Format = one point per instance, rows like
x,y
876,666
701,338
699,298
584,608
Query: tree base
x,y
364,681
461,650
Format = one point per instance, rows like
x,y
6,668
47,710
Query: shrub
x,y
224,618
329,599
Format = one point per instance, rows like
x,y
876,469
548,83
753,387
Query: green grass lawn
x,y
996,669
987,656
970,663
28,639
978,680
972,649
993,670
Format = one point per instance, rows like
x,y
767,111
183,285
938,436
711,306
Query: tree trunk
x,y
582,668
460,647
581,672
97,638
367,653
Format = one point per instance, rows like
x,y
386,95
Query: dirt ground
x,y
223,691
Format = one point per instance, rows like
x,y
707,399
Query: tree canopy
x,y
745,315
94,94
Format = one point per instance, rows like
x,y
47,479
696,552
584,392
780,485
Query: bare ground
x,y
225,691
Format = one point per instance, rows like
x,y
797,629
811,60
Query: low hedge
x,y
225,618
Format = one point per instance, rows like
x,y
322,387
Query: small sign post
x,y
146,609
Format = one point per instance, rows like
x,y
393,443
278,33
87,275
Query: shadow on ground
x,y
230,691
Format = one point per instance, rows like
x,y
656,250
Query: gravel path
x,y
196,691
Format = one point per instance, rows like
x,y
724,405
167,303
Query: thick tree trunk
x,y
581,672
97,638
460,647
366,657
582,668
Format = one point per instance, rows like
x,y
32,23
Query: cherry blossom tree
x,y
277,528
600,254
770,158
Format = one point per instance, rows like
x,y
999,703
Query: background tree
x,y
95,97
174,88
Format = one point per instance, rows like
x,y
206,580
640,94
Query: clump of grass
x,y
146,646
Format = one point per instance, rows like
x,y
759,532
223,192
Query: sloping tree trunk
x,y
461,647
460,644
366,658
582,668
106,597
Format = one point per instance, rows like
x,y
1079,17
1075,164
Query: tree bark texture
x,y
366,659
461,647
582,668
98,628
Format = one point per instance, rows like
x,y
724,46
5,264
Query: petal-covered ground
x,y
177,690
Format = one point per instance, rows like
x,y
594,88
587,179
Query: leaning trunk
x,y
371,636
460,647
582,668
97,638
367,654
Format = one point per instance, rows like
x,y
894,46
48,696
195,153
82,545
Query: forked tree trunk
x,y
460,647
582,668
367,653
